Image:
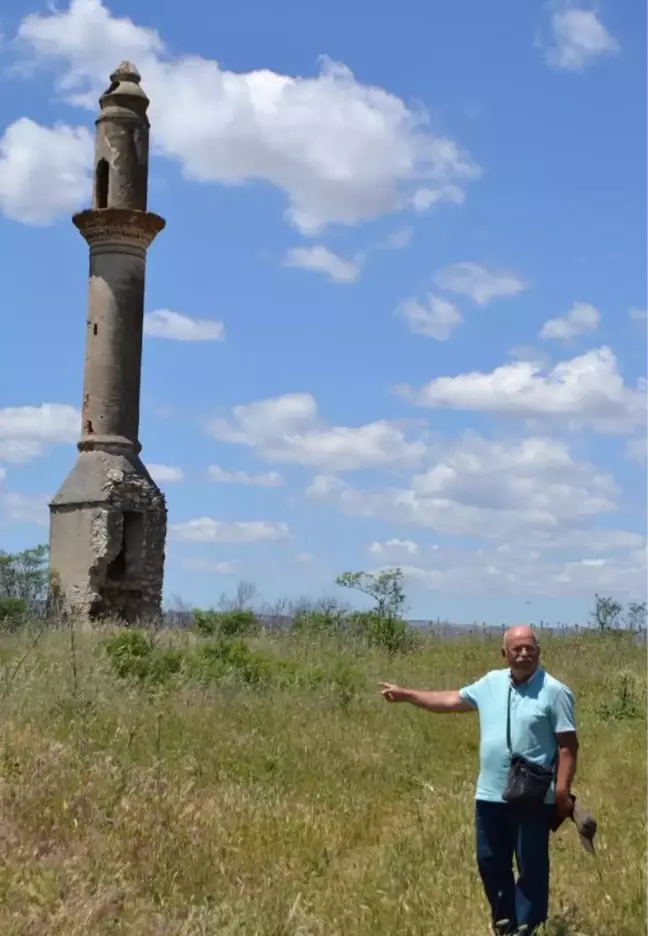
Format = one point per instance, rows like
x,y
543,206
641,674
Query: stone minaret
x,y
108,520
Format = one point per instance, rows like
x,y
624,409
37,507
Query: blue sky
x,y
397,315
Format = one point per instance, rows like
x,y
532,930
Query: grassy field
x,y
303,804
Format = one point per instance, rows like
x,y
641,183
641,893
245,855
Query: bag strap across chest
x,y
508,721
508,727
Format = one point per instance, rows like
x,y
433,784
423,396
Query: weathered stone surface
x,y
124,227
107,536
122,143
114,325
108,520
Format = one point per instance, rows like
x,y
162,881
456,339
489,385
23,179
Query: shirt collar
x,y
529,682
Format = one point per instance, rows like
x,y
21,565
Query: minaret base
x,y
107,535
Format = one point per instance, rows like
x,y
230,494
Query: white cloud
x,y
582,539
623,577
341,151
321,260
478,283
531,491
578,38
177,327
303,557
208,530
535,474
436,317
165,474
288,429
26,430
48,422
637,449
423,198
221,476
583,318
19,451
198,564
24,508
522,572
587,390
394,550
44,171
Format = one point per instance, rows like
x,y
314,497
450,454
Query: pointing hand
x,y
392,692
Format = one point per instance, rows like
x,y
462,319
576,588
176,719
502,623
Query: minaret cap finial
x,y
125,87
126,72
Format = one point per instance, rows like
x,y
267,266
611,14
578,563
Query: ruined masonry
x,y
108,520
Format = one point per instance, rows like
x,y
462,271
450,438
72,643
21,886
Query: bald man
x,y
541,727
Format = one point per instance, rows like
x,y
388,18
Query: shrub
x,y
313,621
134,657
205,623
239,622
253,667
165,664
346,682
386,632
13,614
623,702
129,653
236,622
292,673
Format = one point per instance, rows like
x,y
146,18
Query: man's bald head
x,y
521,650
519,633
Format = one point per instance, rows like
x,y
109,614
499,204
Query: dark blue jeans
x,y
502,832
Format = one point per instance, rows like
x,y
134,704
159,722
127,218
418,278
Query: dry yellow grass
x,y
229,810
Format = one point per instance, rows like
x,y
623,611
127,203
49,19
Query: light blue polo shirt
x,y
540,707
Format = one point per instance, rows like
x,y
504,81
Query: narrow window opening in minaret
x,y
127,563
101,184
94,329
117,568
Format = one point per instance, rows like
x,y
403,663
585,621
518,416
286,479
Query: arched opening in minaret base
x,y
119,586
128,561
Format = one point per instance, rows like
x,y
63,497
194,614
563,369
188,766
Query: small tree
x,y
386,589
635,617
607,613
246,592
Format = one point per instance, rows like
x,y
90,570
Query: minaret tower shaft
x,y
108,520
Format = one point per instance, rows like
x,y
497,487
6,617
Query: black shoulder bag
x,y
527,783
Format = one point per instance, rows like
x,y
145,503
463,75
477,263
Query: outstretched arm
x,y
448,700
